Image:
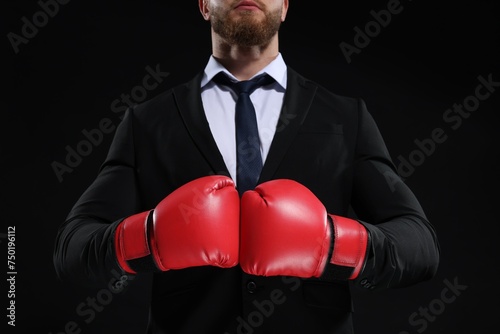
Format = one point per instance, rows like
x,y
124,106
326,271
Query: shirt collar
x,y
276,69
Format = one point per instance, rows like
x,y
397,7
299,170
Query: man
x,y
230,251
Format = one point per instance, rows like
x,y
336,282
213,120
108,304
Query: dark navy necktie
x,y
248,157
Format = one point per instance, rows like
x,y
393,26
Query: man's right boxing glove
x,y
195,225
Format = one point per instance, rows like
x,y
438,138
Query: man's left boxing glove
x,y
285,230
195,225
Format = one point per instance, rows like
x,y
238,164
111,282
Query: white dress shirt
x,y
219,104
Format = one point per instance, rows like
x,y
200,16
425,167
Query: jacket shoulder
x,y
321,91
324,96
166,99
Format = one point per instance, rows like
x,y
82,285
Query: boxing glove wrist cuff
x,y
348,250
132,245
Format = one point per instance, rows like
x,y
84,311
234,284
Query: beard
x,y
246,31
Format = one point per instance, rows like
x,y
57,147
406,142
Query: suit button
x,y
251,287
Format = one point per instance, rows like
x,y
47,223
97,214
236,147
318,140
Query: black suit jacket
x,y
329,143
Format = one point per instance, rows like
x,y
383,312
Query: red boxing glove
x,y
285,230
195,225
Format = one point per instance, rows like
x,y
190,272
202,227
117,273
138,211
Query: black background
x,y
429,57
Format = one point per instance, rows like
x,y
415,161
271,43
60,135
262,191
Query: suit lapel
x,y
297,101
188,99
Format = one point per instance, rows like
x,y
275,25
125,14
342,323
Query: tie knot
x,y
245,86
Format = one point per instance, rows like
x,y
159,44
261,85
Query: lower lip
x,y
247,7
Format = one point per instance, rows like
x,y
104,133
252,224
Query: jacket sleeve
x,y
403,248
84,249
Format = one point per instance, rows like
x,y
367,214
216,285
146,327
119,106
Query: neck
x,y
244,62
